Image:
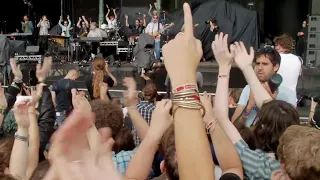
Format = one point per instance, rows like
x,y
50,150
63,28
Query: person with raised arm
x,y
83,25
261,162
65,27
185,52
111,19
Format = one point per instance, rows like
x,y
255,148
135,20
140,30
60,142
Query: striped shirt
x,y
257,165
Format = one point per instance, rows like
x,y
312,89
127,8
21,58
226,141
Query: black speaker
x,y
315,7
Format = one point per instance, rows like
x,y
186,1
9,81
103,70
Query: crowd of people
x,y
61,133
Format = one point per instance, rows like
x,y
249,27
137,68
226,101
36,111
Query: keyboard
x,y
90,39
18,34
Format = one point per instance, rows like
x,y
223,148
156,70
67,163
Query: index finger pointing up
x,y
188,25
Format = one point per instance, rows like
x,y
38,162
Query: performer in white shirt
x,y
154,28
290,66
95,32
112,19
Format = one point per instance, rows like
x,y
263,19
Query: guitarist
x,y
154,28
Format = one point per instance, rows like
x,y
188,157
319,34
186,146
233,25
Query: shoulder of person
x,y
286,94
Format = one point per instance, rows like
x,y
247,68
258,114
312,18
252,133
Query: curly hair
x,y
99,66
272,120
299,150
5,152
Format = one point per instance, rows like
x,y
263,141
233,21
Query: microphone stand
x,y
5,28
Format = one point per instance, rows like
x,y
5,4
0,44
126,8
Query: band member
x,y
44,25
83,25
154,28
27,26
138,27
301,46
154,12
112,19
213,25
95,32
65,27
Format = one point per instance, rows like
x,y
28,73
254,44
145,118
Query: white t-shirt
x,y
96,33
285,94
112,23
290,69
152,29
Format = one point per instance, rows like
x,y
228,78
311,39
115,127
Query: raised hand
x,y
185,52
70,160
131,97
21,114
221,51
81,104
68,17
43,71
15,69
206,100
150,6
126,16
242,58
144,15
161,118
3,100
37,96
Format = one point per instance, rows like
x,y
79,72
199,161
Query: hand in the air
x,y
131,97
221,51
206,100
42,71
15,69
185,52
242,58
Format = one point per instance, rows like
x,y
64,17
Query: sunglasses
x,y
269,49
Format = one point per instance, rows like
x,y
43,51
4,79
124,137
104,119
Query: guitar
x,y
158,34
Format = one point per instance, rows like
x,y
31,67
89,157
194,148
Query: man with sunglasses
x,y
267,63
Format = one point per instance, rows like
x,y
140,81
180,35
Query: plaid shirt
x,y
256,164
122,159
145,108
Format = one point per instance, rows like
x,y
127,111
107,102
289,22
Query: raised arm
x,y
115,14
227,155
34,136
244,62
85,21
141,162
127,21
19,155
79,23
107,15
224,58
149,12
111,76
131,99
39,23
60,22
69,22
188,125
144,20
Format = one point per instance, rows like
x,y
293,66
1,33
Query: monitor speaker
x,y
315,8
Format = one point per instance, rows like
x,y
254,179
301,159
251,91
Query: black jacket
x,y
47,117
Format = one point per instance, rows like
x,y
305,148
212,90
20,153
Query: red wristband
x,y
185,87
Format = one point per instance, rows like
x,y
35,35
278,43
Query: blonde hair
x,y
99,69
299,151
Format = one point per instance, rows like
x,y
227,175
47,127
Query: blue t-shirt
x,y
285,94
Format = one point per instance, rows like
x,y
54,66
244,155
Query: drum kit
x,y
112,32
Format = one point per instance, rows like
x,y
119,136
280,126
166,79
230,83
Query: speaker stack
x,y
313,46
